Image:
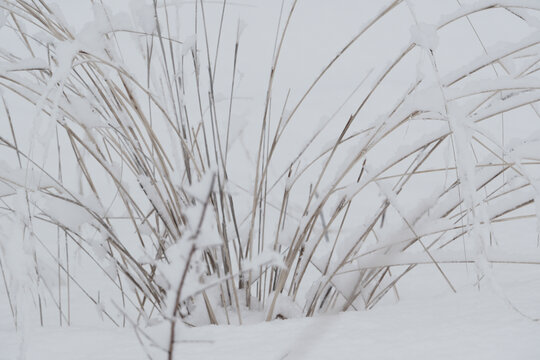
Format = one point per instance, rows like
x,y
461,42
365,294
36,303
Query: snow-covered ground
x,y
469,325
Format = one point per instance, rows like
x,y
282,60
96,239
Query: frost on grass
x,y
425,36
189,208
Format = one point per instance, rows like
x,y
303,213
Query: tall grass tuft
x,y
129,166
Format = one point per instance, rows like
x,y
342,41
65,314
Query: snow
x,y
189,44
469,325
495,53
144,15
425,36
3,17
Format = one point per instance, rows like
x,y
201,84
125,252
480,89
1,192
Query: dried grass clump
x,y
120,141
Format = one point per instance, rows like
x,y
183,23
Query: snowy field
x,y
256,179
470,325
